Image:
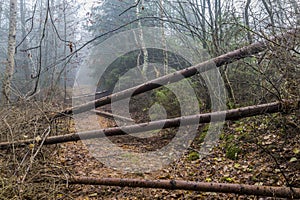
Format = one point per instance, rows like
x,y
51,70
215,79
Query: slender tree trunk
x,y
213,49
65,50
10,65
280,13
144,49
24,45
228,85
247,23
1,10
218,25
54,49
270,13
164,45
203,24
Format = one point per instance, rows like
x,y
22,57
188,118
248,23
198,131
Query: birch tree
x,y
10,64
144,49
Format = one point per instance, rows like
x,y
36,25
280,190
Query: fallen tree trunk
x,y
179,75
243,189
113,116
168,123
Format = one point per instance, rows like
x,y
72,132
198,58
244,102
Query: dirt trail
x,y
251,167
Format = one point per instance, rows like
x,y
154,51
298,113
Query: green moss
x,y
230,138
222,136
193,156
231,105
245,136
203,133
202,137
232,151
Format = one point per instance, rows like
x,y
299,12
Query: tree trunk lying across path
x,y
233,114
285,192
179,75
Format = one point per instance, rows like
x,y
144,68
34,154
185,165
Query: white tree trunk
x,y
10,65
144,49
164,43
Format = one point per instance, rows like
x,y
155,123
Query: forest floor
x,y
262,150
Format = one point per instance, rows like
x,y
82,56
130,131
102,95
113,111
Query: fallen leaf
x,y
93,195
296,150
236,165
208,180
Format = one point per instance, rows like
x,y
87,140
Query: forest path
x,y
252,166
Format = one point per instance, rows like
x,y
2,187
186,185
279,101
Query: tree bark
x,y
270,13
142,42
10,65
243,189
179,75
163,38
233,114
1,11
247,23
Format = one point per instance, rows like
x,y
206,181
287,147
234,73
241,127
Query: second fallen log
x,y
233,114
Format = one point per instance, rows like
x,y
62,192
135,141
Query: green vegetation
x,y
232,151
193,156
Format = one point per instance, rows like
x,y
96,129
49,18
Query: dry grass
x,y
21,168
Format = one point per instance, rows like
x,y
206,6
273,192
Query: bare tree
x,y
247,23
10,65
1,10
144,49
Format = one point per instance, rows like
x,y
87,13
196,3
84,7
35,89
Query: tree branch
x,y
135,5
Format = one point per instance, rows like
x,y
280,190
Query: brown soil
x,y
264,159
